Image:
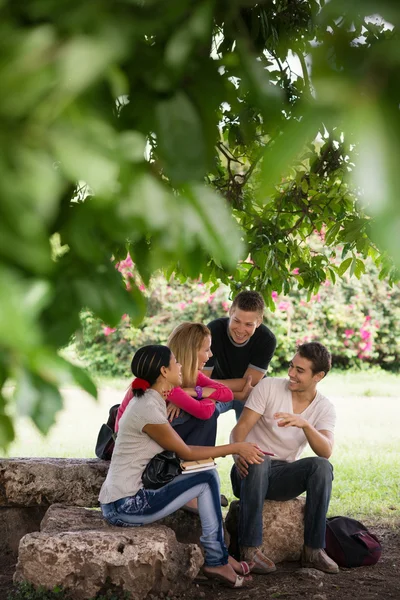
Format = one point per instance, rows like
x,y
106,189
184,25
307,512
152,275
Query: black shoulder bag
x,y
162,469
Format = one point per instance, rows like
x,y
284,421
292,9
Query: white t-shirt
x,y
133,448
272,395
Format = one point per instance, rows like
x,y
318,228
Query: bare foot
x,y
225,571
238,566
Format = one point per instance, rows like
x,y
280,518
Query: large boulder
x,y
45,481
58,518
16,522
283,529
93,555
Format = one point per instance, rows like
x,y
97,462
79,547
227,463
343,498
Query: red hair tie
x,y
140,384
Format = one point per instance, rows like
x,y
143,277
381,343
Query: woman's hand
x,y
249,452
172,411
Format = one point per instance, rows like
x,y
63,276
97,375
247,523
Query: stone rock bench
x,y
28,486
78,550
46,481
283,529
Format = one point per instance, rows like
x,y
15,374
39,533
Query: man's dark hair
x,y
319,356
249,301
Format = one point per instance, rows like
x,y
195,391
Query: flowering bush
x,y
109,350
357,320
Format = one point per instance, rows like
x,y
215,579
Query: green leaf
x,y
208,218
7,433
359,268
344,266
83,380
38,399
178,125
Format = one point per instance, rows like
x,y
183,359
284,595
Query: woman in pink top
x,y
191,408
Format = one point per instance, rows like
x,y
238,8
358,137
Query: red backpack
x,y
350,544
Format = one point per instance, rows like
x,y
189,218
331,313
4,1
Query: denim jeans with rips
x,y
148,506
282,480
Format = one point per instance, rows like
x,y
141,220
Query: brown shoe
x,y
317,558
262,564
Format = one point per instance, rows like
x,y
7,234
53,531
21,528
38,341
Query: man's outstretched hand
x,y
290,420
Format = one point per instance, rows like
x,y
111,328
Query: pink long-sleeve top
x,y
201,409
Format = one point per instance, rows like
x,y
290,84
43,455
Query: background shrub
x,y
358,320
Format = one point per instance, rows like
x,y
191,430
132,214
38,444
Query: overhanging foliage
x,y
197,149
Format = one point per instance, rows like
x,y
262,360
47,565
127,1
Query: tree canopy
x,y
235,140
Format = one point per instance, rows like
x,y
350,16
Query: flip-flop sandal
x,y
239,582
245,569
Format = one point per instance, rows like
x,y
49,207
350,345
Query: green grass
x,y
366,457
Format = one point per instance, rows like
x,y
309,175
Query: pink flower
x,y
225,305
182,305
210,298
367,318
349,332
284,306
295,271
274,295
365,334
317,297
142,287
108,330
125,317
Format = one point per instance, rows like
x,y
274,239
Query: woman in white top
x,y
144,431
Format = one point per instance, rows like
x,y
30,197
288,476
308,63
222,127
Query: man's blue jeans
x,y
148,506
281,480
223,407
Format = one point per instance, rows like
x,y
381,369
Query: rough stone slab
x,y
140,560
15,523
283,529
60,518
45,481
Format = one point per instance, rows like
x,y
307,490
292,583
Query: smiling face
x,y
301,376
204,352
172,373
243,324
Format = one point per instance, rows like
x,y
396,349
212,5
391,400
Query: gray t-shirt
x,y
133,448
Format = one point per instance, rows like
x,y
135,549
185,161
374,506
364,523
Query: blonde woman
x,y
191,408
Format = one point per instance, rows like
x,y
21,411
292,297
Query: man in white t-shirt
x,y
282,416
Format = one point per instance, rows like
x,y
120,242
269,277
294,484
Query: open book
x,y
190,466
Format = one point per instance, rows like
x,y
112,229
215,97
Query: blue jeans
x,y
223,407
281,480
148,506
196,432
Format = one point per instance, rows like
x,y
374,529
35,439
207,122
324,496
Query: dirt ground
x,y
289,582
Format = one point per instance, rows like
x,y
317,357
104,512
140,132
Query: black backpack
x,y
107,436
350,544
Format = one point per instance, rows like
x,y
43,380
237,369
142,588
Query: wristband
x,y
199,392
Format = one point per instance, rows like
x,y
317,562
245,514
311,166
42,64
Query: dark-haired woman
x,y
144,431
